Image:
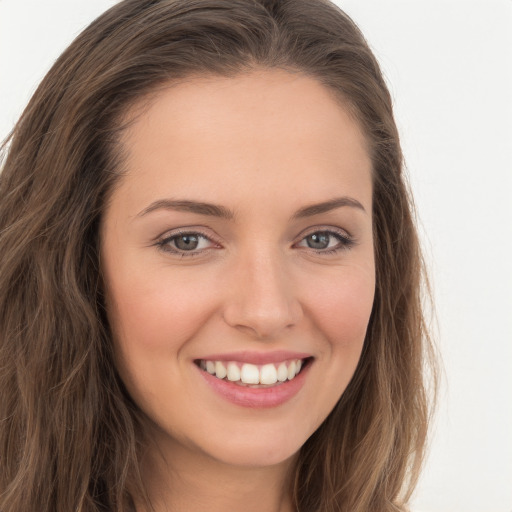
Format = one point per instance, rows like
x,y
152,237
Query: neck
x,y
178,478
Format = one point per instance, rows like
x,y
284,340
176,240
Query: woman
x,y
210,276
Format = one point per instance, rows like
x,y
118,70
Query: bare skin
x,y
241,228
205,485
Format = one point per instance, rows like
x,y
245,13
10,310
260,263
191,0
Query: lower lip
x,y
256,398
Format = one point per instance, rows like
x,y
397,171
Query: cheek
x,y
341,309
156,313
152,319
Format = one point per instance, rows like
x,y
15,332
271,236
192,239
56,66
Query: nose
x,y
261,297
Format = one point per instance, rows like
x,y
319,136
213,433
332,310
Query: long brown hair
x,y
70,437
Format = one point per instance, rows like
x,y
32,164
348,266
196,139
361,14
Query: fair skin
x,y
259,279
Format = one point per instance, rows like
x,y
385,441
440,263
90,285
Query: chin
x,y
260,446
253,455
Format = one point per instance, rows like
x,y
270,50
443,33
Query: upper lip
x,y
256,357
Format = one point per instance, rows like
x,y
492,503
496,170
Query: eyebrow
x,y
189,206
213,210
327,206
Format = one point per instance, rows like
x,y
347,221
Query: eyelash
x,y
345,242
163,244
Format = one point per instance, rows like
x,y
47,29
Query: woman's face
x,y
238,243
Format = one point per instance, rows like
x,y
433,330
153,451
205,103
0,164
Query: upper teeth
x,y
253,374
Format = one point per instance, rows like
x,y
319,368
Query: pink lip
x,y
257,357
256,398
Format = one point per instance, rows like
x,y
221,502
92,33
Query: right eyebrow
x,y
183,205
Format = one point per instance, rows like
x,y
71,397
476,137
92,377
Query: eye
x,y
186,242
326,241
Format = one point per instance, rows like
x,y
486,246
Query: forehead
x,y
257,131
263,97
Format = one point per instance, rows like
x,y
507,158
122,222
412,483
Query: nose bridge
x,y
262,297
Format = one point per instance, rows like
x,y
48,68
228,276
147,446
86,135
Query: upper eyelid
x,y
187,230
325,229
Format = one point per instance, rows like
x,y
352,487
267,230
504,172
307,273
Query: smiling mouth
x,y
252,375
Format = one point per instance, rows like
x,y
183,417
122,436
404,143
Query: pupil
x,y
187,242
318,240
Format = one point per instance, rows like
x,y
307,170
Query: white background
x,y
449,67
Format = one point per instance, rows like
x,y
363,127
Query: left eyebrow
x,y
326,206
